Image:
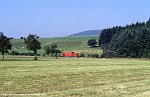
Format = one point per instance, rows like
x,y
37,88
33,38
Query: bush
x,y
89,55
14,53
82,55
146,55
109,54
93,56
44,55
96,56
29,54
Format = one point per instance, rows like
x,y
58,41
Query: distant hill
x,y
87,33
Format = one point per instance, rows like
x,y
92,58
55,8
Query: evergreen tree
x,y
129,41
148,23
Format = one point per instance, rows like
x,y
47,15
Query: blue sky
x,y
55,18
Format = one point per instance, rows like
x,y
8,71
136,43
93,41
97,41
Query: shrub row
x,y
93,56
89,55
109,54
23,54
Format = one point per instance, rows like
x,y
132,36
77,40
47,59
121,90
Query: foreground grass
x,y
76,77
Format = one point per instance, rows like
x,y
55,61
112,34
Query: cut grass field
x,y
76,77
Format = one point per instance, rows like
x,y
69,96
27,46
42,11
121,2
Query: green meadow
x,y
68,44
75,77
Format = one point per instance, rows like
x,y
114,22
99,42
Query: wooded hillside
x,y
128,41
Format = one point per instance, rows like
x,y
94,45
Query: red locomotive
x,y
70,54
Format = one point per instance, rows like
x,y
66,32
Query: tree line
x,y
127,41
31,43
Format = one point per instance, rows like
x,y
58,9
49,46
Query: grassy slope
x,y
78,44
76,77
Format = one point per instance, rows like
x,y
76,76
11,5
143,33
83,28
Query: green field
x,y
68,44
75,77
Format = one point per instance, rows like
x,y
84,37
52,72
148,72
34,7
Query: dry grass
x,y
76,77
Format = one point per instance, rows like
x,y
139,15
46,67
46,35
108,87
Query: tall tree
x,y
5,44
32,44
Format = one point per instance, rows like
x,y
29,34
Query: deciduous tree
x,y
32,44
92,42
5,44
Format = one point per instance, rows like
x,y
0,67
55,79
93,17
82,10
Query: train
x,y
70,54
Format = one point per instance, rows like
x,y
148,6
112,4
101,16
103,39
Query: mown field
x,y
65,44
75,77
